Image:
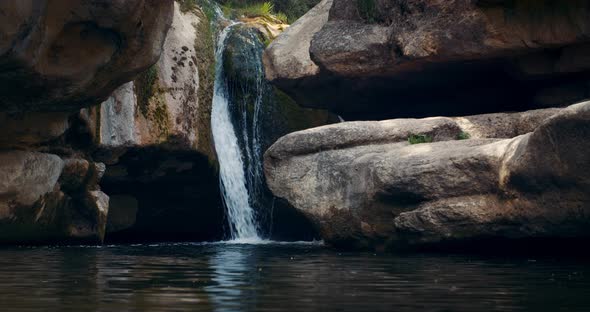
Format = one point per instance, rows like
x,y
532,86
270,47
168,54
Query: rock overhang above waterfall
x,y
503,56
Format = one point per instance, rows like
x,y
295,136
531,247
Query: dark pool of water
x,y
224,277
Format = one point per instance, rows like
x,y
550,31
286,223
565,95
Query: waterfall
x,y
233,180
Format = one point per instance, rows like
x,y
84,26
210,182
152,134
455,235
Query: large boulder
x,y
45,198
373,56
63,55
288,56
364,185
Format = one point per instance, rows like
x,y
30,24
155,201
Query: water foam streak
x,y
240,214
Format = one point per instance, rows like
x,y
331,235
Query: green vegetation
x,y
205,61
145,89
187,5
282,17
264,10
463,136
287,11
288,116
367,10
150,100
419,139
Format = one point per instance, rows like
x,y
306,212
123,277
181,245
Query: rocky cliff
x,y
154,135
56,57
371,58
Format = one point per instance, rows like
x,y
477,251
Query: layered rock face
x,y
522,175
369,58
56,57
64,55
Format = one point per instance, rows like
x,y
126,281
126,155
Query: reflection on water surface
x,y
304,277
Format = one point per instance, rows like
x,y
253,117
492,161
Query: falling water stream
x,y
241,215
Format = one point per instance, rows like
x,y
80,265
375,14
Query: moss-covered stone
x,y
205,61
151,102
145,86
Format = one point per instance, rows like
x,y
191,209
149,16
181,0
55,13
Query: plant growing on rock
x,y
419,139
463,136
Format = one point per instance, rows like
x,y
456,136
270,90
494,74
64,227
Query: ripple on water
x,y
272,276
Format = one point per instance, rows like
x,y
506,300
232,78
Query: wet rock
x,y
68,55
363,185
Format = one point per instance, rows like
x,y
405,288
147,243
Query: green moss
x,y
419,139
187,5
297,118
463,136
151,102
159,116
145,88
205,61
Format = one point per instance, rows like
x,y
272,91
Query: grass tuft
x,y
145,89
463,136
419,139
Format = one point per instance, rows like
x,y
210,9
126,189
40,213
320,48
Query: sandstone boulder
x,y
288,56
372,58
364,185
64,55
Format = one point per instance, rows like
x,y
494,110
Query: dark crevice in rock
x,y
175,194
458,89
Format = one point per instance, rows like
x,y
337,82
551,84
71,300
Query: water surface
x,y
272,277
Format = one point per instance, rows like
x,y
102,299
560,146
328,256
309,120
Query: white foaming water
x,y
233,180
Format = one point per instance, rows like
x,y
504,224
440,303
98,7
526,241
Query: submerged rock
x,y
64,55
363,185
366,59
